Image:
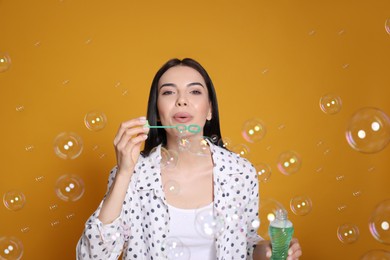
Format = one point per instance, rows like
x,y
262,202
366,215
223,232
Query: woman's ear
x,y
209,115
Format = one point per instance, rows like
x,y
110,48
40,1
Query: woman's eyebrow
x,y
174,85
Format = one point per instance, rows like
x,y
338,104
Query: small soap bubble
x,y
70,216
200,147
19,108
14,200
37,44
241,150
301,205
40,178
348,233
95,120
68,145
53,207
11,248
29,148
371,169
387,26
341,32
25,229
357,193
225,142
345,66
264,71
319,169
125,92
330,104
5,62
289,162
55,223
173,248
263,172
281,127
88,41
340,178
267,213
172,187
69,187
214,139
376,254
379,222
368,130
209,223
342,208
184,143
169,158
253,130
65,82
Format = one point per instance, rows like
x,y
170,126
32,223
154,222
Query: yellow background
x,y
268,59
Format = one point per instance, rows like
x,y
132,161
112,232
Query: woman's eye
x,y
167,92
196,92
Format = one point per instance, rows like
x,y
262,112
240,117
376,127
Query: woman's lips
x,y
182,117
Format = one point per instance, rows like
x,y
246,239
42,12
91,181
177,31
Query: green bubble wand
x,y
180,127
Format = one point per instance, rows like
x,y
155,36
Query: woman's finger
x,y
128,125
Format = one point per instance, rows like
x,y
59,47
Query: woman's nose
x,y
181,101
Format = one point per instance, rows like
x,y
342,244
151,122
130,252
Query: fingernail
x,y
142,119
268,254
290,252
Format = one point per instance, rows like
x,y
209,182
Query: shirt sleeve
x,y
103,241
252,213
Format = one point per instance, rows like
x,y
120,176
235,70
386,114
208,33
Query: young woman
x,y
204,205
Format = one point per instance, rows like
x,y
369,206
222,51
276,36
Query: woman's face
x,y
183,98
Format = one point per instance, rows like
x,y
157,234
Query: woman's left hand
x,y
294,252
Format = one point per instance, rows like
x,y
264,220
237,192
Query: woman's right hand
x,y
127,143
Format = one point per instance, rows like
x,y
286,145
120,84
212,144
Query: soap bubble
x,y
200,147
253,130
11,248
169,158
14,200
95,120
241,150
376,255
267,213
330,104
348,233
263,172
172,187
289,162
301,205
209,223
387,26
379,222
173,248
5,62
368,130
225,142
68,145
69,187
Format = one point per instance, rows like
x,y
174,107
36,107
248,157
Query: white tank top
x,y
182,227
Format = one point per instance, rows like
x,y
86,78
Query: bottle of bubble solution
x,y
280,231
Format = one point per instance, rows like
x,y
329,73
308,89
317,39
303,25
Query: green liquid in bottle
x,y
280,240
